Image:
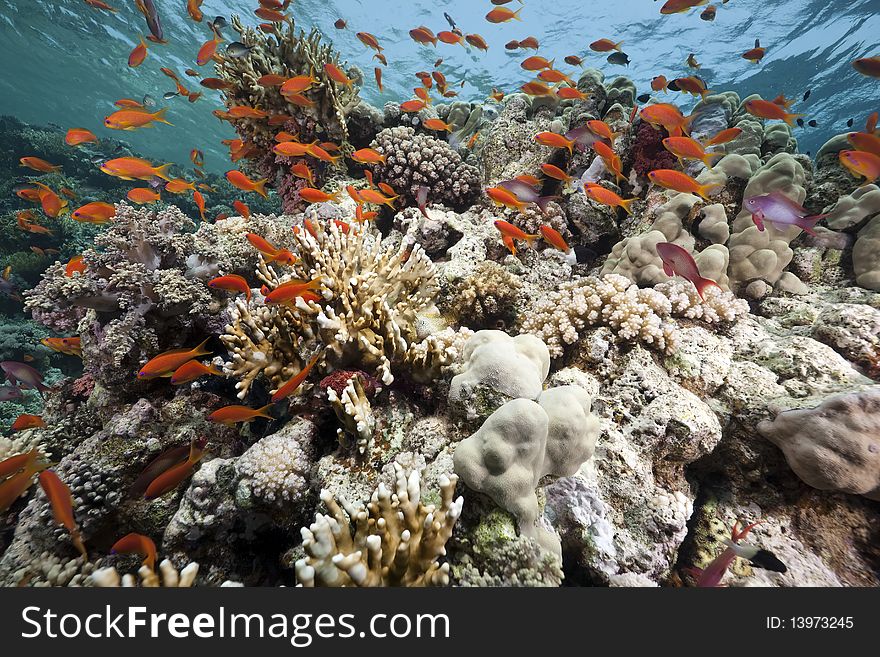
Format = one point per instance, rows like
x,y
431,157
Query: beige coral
x,y
167,577
395,541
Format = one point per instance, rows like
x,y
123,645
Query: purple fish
x,y
422,199
526,193
23,375
584,137
148,9
780,211
677,261
8,393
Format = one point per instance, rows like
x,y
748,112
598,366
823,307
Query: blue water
x,y
65,62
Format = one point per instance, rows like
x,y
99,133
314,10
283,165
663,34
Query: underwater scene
x,y
475,293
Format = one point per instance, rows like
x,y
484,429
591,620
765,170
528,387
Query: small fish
x,y
669,116
368,156
865,141
8,393
764,109
812,123
143,195
571,93
437,124
686,148
235,414
133,168
681,182
692,85
861,163
192,370
207,51
724,136
61,502
137,56
70,346
301,170
605,45
165,363
339,24
556,173
376,198
807,94
19,479
712,575
553,76
415,105
660,83
232,283
501,196
23,375
573,60
678,262
781,211
138,543
132,119
79,136
708,14
502,15
536,63
179,185
242,208
378,73
756,54
200,204
171,478
382,59
680,6
193,8
148,9
610,158
26,421
606,196
536,89
74,265
333,72
423,36
291,386
238,50
38,164
100,4
692,61
369,40
240,181
552,237
508,229
511,45
312,195
619,58
477,42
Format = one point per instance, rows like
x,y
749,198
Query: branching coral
x,y
413,161
167,577
352,408
633,313
395,541
371,296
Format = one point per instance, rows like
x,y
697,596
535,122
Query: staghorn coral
x,y
367,317
611,300
395,541
415,160
352,408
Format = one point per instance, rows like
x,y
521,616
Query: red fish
x,y
61,502
681,182
26,421
678,262
240,181
137,544
291,386
192,370
165,363
553,238
508,229
19,472
171,478
233,283
235,413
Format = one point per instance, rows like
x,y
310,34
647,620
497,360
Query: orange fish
x,y
437,124
361,216
94,213
535,63
368,156
861,163
321,153
233,283
301,170
193,8
235,413
312,195
100,4
138,54
291,386
685,148
171,478
610,158
61,502
574,60
137,543
51,203
291,149
14,464
79,136
207,51
868,66
178,186
660,83
415,105
756,54
680,6
369,40
270,15
165,363
75,264
271,80
450,38
553,238
557,173
502,15
553,76
215,84
555,140
298,84
865,141
782,101
378,73
536,89
288,291
508,229
192,370
724,136
143,195
200,204
571,93
245,112
336,75
477,41
666,115
38,164
692,85
681,182
605,45
132,119
764,109
423,35
601,128
529,42
374,197
25,421
607,197
242,209
240,181
19,471
502,196
71,346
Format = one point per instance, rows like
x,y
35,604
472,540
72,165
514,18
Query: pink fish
x,y
23,375
422,199
526,193
712,575
583,137
780,211
677,261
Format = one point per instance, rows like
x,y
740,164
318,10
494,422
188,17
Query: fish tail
x,y
617,45
200,350
212,369
260,188
160,116
808,223
709,157
702,284
77,541
626,204
162,172
791,119
264,411
516,16
530,240
706,191
543,201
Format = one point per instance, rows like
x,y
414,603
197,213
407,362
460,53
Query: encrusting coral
x,y
395,541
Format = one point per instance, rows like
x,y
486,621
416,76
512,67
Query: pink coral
x,y
340,378
648,152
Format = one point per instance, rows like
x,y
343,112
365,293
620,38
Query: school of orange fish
x,y
182,366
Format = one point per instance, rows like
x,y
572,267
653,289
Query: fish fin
x,y
759,221
200,350
617,45
516,16
708,157
669,271
530,240
702,284
160,116
543,201
260,188
791,119
626,204
808,223
264,411
162,172
706,191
